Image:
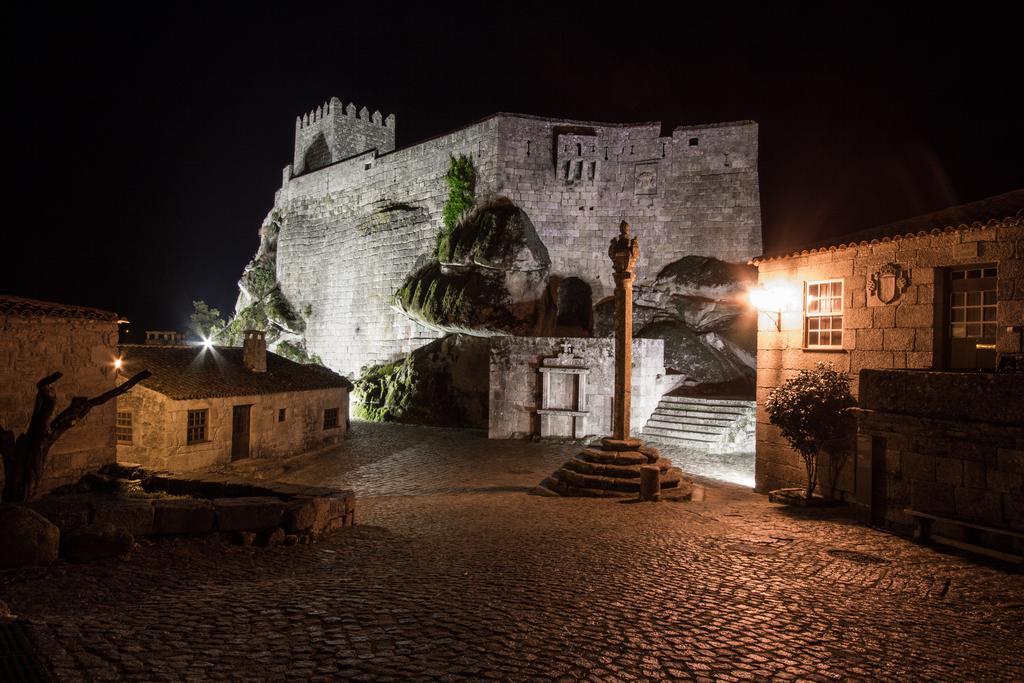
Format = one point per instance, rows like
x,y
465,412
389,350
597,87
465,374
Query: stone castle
x,y
355,216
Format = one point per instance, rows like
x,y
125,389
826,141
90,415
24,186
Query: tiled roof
x,y
16,306
190,372
1002,209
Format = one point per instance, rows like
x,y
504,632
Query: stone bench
x,y
923,534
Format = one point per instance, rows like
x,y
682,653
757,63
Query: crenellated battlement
x,y
335,131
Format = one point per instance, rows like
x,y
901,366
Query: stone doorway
x,y
574,315
240,418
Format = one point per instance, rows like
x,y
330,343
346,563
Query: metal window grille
x,y
330,418
823,314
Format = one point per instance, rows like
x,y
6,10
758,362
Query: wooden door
x,y
240,432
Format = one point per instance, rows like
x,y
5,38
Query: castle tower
x,y
334,131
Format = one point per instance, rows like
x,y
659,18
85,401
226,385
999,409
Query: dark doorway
x,y
575,310
240,432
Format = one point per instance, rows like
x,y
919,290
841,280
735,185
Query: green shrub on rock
x,y
385,391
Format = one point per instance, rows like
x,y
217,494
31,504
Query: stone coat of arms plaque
x,y
888,283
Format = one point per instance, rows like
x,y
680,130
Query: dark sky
x,y
148,142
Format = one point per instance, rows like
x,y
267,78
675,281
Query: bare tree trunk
x,y
811,463
24,457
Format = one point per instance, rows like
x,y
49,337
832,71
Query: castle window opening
x,y
693,142
527,148
592,170
575,310
579,149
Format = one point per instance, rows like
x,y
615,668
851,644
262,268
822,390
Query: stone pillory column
x,y
623,252
621,465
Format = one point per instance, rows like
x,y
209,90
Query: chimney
x,y
254,351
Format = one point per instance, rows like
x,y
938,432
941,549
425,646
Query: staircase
x,y
719,424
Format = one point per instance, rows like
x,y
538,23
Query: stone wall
x,y
160,427
84,350
949,444
515,380
898,335
353,230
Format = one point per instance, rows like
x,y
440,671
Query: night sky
x,y
148,142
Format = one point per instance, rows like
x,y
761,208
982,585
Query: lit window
x,y
823,315
197,420
123,428
331,418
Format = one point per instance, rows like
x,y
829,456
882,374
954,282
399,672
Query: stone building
x,y
923,299
38,338
210,405
355,216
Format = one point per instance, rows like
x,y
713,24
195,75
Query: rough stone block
x,y
1010,460
1005,482
1013,510
183,517
933,497
949,471
248,514
67,515
134,516
96,542
979,505
26,537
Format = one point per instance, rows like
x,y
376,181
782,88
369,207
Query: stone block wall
x,y
159,430
904,334
84,350
949,444
515,381
352,231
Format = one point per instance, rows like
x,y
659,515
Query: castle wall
x,y
352,231
576,182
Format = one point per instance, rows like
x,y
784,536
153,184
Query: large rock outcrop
x,y
697,305
26,537
488,277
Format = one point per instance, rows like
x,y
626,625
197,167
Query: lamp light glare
x,y
118,363
207,343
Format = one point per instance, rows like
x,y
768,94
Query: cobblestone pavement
x,y
456,572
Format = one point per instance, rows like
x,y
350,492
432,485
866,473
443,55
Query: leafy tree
x,y
205,321
809,409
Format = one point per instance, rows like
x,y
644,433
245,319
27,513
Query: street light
x,y
774,299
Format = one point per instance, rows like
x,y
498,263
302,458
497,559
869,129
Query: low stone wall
x,y
516,383
949,444
266,513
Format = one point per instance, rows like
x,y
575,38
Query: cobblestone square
x,y
454,571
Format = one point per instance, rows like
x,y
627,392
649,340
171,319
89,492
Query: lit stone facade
x,y
160,427
516,391
896,296
361,220
40,338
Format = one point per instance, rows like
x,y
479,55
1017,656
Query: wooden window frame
x,y
196,430
122,427
819,316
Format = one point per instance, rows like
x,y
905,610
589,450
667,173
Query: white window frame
x,y
122,427
818,315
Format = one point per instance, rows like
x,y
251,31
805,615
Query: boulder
x,y
26,537
272,538
134,516
248,514
67,515
96,542
702,358
183,517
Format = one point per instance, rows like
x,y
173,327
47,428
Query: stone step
x,y
687,427
690,419
626,458
678,441
681,435
669,479
693,400
606,470
675,409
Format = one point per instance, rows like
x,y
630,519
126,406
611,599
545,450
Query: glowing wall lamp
x,y
775,299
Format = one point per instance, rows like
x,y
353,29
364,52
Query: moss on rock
x,y
385,391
